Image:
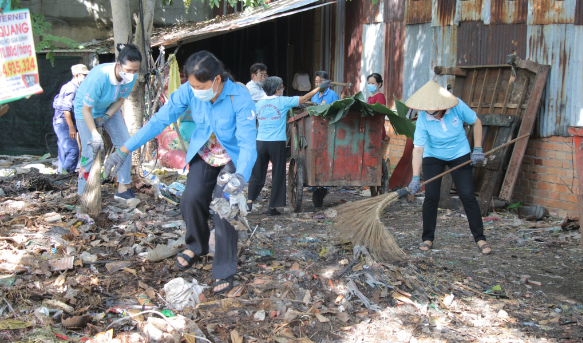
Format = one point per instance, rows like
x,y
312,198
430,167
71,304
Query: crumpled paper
x,y
181,294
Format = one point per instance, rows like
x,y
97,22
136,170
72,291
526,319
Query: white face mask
x,y
126,77
205,95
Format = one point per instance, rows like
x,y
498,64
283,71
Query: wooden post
x,y
527,126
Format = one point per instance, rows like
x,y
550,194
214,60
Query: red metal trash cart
x,y
348,152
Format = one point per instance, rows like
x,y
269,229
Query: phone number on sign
x,y
18,67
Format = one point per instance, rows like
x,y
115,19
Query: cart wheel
x,y
295,183
384,188
318,196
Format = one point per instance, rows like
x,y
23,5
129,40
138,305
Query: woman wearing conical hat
x,y
440,140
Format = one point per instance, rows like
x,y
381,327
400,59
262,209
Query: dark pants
x,y
464,184
201,185
266,151
68,148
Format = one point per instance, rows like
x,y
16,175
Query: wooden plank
x,y
473,86
440,70
494,167
522,97
494,119
498,105
529,65
526,126
508,92
482,94
495,90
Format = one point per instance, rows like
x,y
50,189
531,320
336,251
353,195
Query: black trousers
x,y
274,152
464,184
201,185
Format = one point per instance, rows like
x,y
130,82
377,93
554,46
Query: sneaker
x,y
272,212
128,198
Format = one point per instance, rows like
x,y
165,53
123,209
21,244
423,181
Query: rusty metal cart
x,y
348,152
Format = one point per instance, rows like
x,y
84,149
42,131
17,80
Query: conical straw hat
x,y
432,97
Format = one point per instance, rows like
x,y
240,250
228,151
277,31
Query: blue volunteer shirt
x,y
231,118
444,138
328,97
272,116
100,89
64,101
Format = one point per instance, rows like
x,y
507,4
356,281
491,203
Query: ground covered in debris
x,y
67,276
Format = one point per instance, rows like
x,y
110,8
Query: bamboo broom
x,y
360,223
91,197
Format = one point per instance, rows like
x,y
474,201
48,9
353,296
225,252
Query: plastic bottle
x,y
153,181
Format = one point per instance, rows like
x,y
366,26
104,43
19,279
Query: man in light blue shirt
x,y
326,95
271,141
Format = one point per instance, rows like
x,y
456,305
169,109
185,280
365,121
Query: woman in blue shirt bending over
x,y
224,140
97,104
440,140
271,139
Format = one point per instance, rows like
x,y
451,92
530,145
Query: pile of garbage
x,y
70,277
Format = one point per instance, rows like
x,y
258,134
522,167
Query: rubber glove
x,y
115,161
415,185
324,85
477,156
96,143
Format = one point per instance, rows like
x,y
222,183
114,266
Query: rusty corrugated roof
x,y
190,32
417,11
508,12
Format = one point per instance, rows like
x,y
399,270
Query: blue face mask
x,y
371,88
205,95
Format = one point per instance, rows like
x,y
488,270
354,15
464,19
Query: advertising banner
x,y
18,65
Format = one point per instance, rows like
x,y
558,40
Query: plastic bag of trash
x,y
181,294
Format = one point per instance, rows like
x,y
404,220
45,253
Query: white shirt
x,y
257,93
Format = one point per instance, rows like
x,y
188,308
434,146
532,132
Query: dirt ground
x,y
297,282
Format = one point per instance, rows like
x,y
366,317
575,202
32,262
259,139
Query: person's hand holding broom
x,y
96,143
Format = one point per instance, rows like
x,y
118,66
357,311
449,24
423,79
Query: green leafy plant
x,y
216,3
340,108
41,28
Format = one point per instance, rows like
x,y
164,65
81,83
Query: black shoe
x,y
249,206
272,212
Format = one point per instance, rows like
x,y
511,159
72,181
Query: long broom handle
x,y
470,161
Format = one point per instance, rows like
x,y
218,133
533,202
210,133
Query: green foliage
x,y
216,3
515,205
339,109
41,28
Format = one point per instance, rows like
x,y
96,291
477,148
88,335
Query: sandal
x,y
425,245
219,282
483,247
188,259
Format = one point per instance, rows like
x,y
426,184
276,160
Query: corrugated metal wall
x,y
421,34
559,45
542,12
480,44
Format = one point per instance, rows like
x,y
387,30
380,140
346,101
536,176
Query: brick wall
x,y
548,176
396,145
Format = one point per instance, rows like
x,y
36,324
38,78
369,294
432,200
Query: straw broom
x,y
360,223
91,197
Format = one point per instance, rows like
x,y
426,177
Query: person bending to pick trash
x,y
440,140
223,141
97,104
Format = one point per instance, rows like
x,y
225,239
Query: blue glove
x,y
415,185
477,156
115,161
